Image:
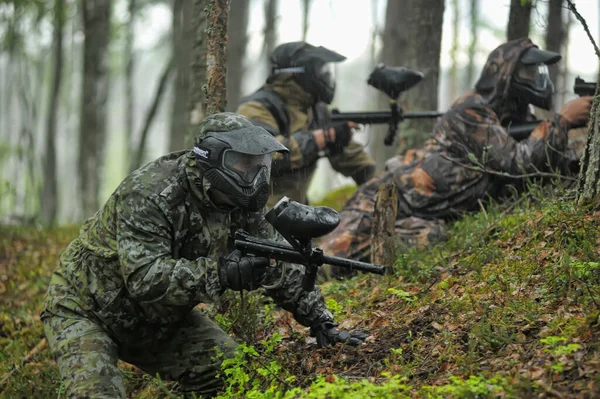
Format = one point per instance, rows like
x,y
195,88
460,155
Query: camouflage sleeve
x,y
478,129
354,162
283,283
302,145
148,268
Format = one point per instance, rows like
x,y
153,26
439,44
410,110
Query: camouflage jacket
x,y
150,254
293,172
466,161
445,177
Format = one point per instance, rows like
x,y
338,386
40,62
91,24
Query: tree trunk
x,y
183,39
92,130
305,18
383,242
555,36
129,82
270,31
236,51
216,56
197,96
474,26
412,38
589,175
563,82
49,203
150,114
519,18
453,73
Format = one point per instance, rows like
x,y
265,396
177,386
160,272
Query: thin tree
x,y
555,35
92,129
305,18
129,77
216,56
197,95
270,31
474,27
49,203
182,44
236,51
519,19
453,73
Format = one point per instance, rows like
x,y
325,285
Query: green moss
x,y
336,199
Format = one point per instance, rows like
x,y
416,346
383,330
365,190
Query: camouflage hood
x,y
494,82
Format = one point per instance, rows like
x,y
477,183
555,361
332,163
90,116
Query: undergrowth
x,y
507,307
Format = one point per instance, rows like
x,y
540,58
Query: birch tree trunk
x,y
92,130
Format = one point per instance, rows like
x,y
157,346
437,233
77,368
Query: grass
x,y
508,307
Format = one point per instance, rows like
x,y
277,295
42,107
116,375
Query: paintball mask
x,y
311,67
531,81
238,164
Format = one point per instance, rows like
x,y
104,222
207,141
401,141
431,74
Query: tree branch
x,y
571,7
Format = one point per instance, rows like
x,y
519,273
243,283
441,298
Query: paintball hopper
x,y
301,222
394,80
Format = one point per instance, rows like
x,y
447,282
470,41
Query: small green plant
x,y
335,308
400,293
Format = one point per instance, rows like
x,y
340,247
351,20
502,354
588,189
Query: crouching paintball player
x,y
126,288
470,155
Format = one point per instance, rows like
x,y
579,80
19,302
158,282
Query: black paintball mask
x,y
311,67
238,164
531,82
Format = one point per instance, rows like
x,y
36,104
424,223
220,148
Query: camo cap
x,y
221,122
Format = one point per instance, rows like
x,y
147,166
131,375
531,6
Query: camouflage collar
x,y
290,91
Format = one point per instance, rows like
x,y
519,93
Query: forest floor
x,y
508,307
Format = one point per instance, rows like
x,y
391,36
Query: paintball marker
x,y
392,81
583,88
299,224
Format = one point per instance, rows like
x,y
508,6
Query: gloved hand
x,y
337,136
327,333
577,111
239,272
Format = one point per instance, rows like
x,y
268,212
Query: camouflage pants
x,y
87,355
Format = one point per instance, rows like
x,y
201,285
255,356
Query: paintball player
x,y
126,288
440,181
292,106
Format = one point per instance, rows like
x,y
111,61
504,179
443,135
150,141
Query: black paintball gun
x,y
392,81
583,88
299,224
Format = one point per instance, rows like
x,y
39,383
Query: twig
x,y
503,174
26,360
571,7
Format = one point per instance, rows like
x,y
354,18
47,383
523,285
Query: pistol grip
x,y
310,277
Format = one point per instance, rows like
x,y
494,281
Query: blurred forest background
x,y
91,89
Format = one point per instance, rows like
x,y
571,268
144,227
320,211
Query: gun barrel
x,y
422,115
279,252
379,117
353,264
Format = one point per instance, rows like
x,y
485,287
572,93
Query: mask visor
x,y
246,166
